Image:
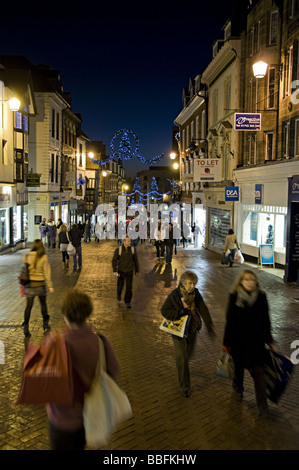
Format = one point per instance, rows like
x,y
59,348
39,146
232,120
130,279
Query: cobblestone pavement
x,y
212,418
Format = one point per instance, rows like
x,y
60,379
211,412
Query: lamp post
x,y
104,174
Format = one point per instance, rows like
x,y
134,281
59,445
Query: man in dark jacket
x,y
123,264
75,238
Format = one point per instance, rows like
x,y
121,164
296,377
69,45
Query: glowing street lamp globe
x,y
259,69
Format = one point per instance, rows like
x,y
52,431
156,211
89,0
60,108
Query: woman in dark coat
x,y
186,300
247,330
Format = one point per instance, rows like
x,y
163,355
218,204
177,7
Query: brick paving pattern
x,y
213,418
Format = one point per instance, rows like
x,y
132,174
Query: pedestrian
x,y
124,263
51,230
231,244
87,230
247,330
169,242
159,236
196,234
80,227
63,242
75,238
66,426
40,279
43,231
186,300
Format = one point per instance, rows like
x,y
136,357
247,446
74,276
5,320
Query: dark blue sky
x,y
125,65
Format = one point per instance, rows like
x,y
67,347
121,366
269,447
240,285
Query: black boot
x,y
26,330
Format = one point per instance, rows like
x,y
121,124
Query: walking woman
x,y
231,243
247,330
63,242
40,279
186,300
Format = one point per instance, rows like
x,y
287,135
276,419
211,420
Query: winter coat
x,y
247,330
172,309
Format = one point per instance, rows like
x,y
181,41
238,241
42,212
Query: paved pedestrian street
x,y
213,418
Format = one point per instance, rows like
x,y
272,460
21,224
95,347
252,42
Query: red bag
x,y
47,376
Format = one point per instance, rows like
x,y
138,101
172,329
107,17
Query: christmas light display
x,y
128,148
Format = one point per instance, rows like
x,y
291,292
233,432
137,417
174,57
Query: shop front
x,y
263,209
220,218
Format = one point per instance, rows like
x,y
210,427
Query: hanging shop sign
x,y
207,169
258,193
248,121
232,193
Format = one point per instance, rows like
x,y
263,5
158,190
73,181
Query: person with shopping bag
x,y
186,300
247,331
231,245
66,422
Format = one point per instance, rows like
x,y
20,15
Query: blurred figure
x,y
87,231
159,236
124,262
75,238
169,242
40,279
186,300
66,428
62,245
51,234
231,243
43,231
247,330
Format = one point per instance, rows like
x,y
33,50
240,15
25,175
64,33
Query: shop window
x,y
250,226
4,227
267,229
280,232
269,145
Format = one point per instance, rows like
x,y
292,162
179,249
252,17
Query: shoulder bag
x,y
24,276
70,248
105,406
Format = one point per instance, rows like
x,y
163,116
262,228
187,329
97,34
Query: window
x,y
215,107
285,139
271,88
296,143
4,152
269,146
273,28
53,123
19,166
18,120
227,94
203,124
57,169
52,168
258,36
57,126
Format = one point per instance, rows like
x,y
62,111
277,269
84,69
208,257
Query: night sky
x,y
125,65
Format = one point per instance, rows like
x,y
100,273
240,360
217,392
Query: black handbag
x,y
24,276
224,259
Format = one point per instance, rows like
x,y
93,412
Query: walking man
x,y
124,262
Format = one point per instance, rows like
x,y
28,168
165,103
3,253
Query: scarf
x,y
245,298
190,301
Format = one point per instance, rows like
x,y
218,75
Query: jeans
x,y
66,440
160,249
231,256
79,255
121,280
258,375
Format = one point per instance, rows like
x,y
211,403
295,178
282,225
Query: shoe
x,y
128,305
118,298
27,333
186,394
74,270
46,327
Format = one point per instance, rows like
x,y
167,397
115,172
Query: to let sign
x,y
248,121
207,169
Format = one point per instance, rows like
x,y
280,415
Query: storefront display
x,y
220,223
4,227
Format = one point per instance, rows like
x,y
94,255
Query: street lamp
x,y
14,104
104,174
259,69
172,155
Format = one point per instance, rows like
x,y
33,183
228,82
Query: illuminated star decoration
x,y
128,148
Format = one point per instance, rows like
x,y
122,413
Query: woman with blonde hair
x,y
40,279
63,242
247,330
